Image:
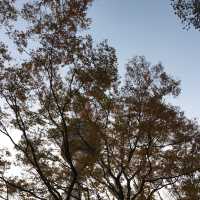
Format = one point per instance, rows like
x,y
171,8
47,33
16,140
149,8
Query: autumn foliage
x,y
84,132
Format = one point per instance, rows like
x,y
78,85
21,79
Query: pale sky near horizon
x,y
150,28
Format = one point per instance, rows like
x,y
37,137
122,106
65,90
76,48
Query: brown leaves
x,y
79,127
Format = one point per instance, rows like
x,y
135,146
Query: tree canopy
x,y
188,11
84,132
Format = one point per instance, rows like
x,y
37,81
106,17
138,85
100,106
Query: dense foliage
x,y
83,134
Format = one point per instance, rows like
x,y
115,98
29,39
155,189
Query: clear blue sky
x,y
149,28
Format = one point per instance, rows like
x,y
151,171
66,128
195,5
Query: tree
x,y
188,11
85,135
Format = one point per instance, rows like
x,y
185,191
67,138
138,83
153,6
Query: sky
x,y
150,28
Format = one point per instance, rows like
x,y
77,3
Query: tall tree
x,y
84,135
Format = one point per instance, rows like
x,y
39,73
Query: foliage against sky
x,y
83,134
